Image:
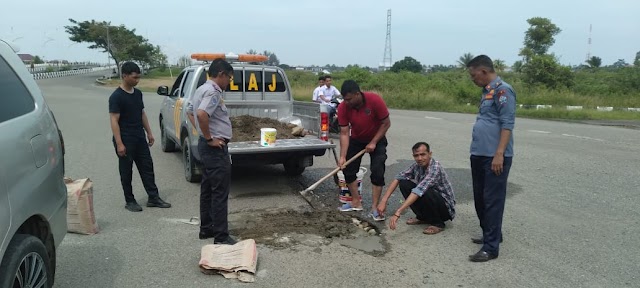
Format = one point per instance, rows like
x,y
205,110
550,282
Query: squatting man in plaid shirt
x,y
426,189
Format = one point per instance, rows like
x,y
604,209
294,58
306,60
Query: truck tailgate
x,y
282,145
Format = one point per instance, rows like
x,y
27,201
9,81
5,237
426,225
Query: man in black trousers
x,y
491,154
128,124
210,115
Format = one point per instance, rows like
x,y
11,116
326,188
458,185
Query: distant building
x,y
26,58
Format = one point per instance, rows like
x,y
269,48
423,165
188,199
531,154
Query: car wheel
x,y
26,264
167,144
293,167
190,168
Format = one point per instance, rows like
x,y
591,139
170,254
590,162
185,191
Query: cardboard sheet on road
x,y
237,261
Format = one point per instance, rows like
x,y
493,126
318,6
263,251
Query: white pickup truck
x,y
256,90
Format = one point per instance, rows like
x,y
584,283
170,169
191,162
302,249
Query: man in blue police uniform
x,y
491,154
210,115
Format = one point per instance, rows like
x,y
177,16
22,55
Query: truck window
x,y
253,84
275,88
186,86
176,84
17,100
203,78
236,84
235,88
274,82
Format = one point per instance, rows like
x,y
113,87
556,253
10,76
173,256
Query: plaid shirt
x,y
434,177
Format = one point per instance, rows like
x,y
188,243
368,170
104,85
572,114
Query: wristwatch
x,y
210,139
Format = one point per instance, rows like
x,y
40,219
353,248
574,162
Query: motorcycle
x,y
333,122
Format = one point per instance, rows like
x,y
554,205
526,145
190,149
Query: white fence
x,y
43,67
56,74
598,108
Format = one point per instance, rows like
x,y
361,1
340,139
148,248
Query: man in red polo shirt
x,y
368,116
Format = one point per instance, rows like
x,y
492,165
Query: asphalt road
x,y
571,217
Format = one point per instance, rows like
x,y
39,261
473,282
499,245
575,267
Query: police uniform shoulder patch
x,y
489,95
501,97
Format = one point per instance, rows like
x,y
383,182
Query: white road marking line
x,y
434,118
539,131
583,137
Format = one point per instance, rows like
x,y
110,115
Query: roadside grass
x,y
445,92
437,101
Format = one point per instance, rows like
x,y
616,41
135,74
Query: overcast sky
x,y
331,32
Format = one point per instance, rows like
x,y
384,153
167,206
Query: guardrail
x,y
57,74
598,108
36,68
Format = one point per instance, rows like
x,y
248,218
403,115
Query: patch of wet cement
x,y
285,228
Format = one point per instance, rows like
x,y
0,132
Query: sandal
x,y
431,230
415,221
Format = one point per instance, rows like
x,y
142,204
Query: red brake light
x,y
324,126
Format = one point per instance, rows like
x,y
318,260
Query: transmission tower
x,y
589,44
387,60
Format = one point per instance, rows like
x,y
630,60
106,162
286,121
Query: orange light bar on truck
x,y
230,56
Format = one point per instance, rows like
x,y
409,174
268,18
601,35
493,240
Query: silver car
x,y
33,196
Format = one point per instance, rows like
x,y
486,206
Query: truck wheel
x,y
190,168
166,144
293,167
26,263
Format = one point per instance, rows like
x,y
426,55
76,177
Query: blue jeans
x,y
489,194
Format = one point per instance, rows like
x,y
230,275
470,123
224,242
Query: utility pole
x,y
589,44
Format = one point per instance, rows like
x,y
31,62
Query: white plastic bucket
x,y
345,195
268,137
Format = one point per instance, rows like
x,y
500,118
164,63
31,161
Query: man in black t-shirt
x,y
129,123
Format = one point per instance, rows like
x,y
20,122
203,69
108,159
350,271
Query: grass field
x,y
445,92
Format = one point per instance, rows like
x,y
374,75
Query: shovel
x,y
315,185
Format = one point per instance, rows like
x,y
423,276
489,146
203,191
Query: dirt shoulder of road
x,y
145,85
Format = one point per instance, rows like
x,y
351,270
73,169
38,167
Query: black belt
x,y
226,141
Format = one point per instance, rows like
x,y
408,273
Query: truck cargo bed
x,y
282,145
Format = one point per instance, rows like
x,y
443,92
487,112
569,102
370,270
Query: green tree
x,y
636,62
499,65
539,37
272,60
544,69
464,60
594,62
184,61
157,59
517,66
407,64
357,73
619,64
441,68
121,43
37,60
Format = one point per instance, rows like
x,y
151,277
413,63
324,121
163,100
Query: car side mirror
x,y
163,90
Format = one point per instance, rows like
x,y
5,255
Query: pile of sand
x,y
247,128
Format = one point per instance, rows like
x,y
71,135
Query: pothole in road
x,y
285,228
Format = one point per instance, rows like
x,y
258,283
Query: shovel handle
x,y
335,170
